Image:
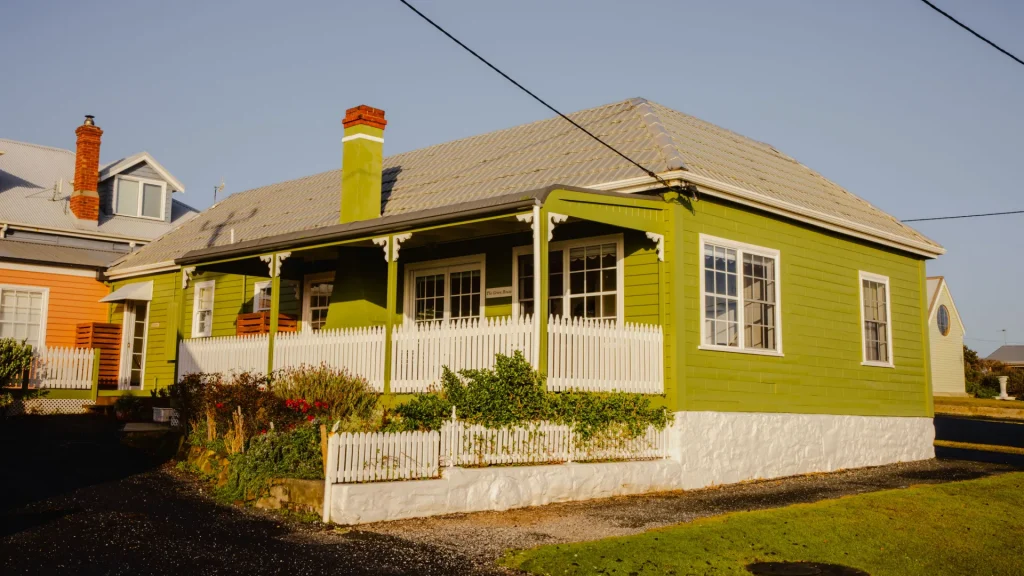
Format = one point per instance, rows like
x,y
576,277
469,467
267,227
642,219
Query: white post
x,y
538,229
1002,389
330,475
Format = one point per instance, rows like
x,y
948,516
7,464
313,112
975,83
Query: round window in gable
x,y
943,318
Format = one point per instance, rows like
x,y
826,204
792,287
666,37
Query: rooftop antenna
x,y
217,189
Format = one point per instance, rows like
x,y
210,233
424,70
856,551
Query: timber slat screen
x,y
259,323
106,337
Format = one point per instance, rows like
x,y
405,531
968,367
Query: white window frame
x,y
445,266
256,289
307,293
565,246
212,285
741,249
44,305
861,277
124,370
141,181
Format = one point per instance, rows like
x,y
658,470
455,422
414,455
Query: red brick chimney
x,y
85,201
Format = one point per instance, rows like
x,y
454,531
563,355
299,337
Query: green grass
x,y
960,528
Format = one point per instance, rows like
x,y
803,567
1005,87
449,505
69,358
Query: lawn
x,y
959,528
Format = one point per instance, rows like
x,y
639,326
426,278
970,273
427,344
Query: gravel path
x,y
76,500
486,536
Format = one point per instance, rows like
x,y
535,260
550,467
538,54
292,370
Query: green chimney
x,y
362,159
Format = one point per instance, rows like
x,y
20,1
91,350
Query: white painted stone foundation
x,y
707,448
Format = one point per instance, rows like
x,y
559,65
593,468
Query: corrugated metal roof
x,y
525,158
36,183
56,254
1011,354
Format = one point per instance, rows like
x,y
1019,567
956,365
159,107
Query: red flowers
x,y
220,405
310,418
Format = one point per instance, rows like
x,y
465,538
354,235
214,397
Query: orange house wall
x,y
73,299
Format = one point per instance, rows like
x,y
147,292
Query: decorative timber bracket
x,y
527,218
552,220
186,275
658,239
388,251
274,261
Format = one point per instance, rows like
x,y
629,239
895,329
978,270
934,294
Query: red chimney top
x,y
366,116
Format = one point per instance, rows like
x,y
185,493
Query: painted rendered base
x,y
727,447
706,448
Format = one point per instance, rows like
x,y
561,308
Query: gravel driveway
x,y
78,501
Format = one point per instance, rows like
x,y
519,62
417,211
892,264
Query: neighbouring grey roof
x,y
56,254
1011,354
36,183
530,157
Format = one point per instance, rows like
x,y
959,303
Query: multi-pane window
x,y
445,289
429,297
319,295
21,314
875,297
740,299
593,281
556,283
202,309
139,198
465,294
261,297
583,280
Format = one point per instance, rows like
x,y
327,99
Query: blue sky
x,y
887,98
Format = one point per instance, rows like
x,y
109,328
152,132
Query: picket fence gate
x,y
422,349
596,355
358,350
226,354
63,368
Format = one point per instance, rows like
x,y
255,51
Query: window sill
x,y
878,364
753,351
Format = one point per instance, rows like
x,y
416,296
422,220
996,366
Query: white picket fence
x,y
603,356
225,354
378,456
541,443
64,368
359,350
422,349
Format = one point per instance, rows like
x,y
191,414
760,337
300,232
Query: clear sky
x,y
886,98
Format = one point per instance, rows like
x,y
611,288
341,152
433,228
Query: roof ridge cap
x,y
659,134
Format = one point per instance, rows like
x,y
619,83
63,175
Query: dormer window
x,y
139,198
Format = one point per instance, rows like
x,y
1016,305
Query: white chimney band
x,y
363,136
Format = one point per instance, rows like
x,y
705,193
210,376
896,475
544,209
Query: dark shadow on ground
x,y
79,501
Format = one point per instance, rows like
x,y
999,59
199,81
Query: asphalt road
x,y
980,431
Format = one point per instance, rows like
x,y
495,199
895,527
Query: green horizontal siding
x,y
233,295
159,372
821,370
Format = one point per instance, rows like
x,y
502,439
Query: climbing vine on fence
x,y
512,393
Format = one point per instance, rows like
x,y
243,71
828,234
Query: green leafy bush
x,y
292,453
513,393
15,359
130,407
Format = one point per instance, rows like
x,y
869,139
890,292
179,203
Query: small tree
x,y
15,359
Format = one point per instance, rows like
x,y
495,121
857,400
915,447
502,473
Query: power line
x,y
963,216
647,171
966,27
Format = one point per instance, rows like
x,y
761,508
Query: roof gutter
x,y
74,233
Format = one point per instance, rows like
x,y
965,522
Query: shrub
x,y
513,393
334,394
249,392
985,387
15,359
293,453
129,406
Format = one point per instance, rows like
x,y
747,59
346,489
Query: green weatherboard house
x,y
781,318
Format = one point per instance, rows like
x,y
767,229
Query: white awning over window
x,y
135,291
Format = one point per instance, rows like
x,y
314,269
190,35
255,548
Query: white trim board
x,y
49,269
713,187
165,266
